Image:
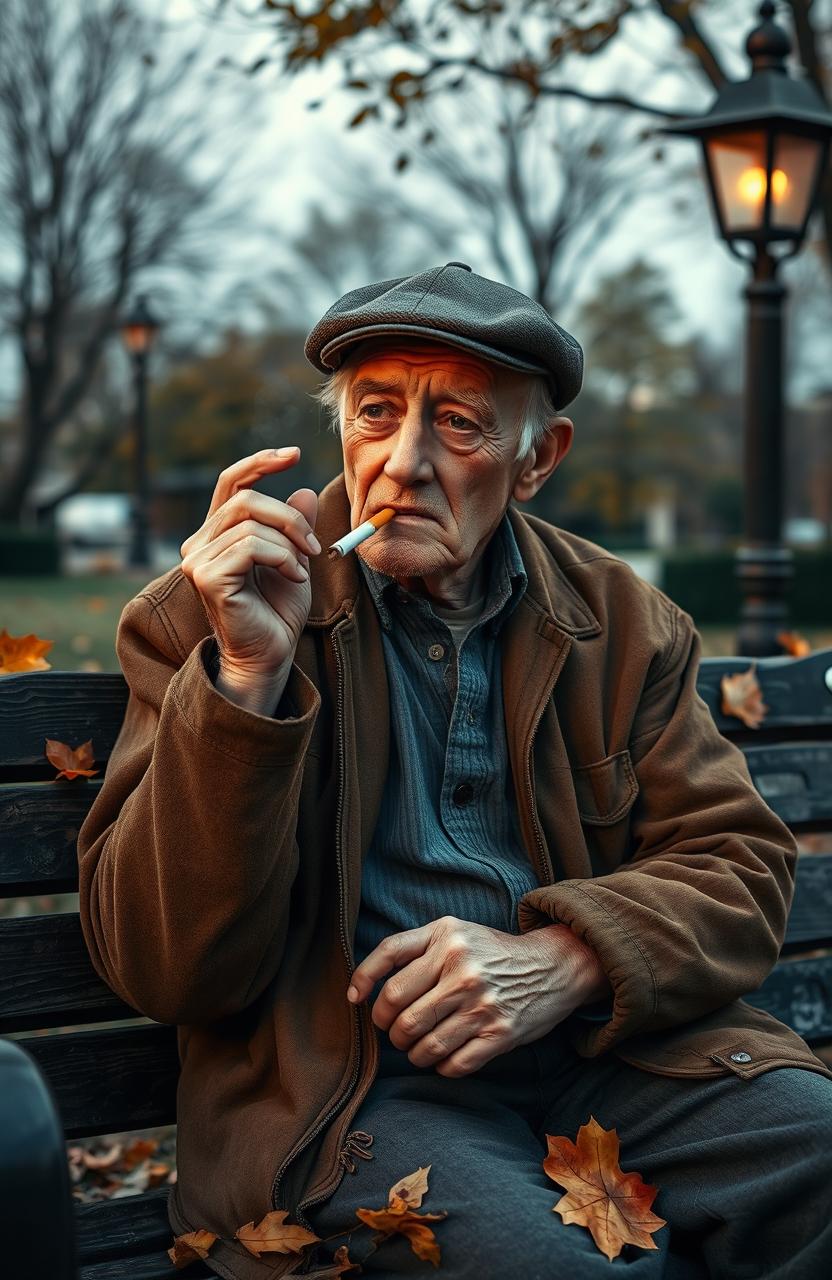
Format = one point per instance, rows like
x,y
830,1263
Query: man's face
x,y
438,436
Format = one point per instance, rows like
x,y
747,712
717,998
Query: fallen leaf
x,y
412,1188
139,1150
613,1205
105,1161
71,763
742,697
794,643
189,1247
95,604
23,653
399,1218
273,1235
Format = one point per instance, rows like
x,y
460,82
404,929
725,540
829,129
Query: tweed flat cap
x,y
453,304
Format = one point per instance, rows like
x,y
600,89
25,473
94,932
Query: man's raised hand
x,y
249,562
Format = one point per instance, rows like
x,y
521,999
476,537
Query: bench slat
x,y
39,825
154,1266
47,978
810,918
799,993
112,1080
70,706
795,780
794,690
132,1231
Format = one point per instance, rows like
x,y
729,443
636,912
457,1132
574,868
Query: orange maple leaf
x,y
23,653
742,697
398,1216
72,764
273,1235
613,1205
187,1248
794,643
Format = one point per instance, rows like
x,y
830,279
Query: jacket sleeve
x,y
696,916
187,857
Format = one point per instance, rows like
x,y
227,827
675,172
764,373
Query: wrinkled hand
x,y
466,993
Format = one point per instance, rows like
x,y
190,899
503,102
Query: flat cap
x,y
453,304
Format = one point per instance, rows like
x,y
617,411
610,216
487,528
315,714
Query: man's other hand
x,y
465,993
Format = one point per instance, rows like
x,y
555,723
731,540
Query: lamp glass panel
x,y
738,165
795,168
137,337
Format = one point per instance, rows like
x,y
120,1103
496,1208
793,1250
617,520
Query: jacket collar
x,y
336,584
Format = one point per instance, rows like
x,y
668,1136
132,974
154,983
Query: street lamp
x,y
765,143
138,331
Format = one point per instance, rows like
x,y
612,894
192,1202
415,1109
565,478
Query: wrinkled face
x,y
432,428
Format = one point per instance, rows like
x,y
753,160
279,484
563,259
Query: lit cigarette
x,y
356,536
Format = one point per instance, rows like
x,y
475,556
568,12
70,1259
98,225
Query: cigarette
x,y
356,536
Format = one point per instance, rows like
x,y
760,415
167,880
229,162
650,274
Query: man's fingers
x,y
391,953
244,473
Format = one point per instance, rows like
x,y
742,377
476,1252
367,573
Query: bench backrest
x,y
47,980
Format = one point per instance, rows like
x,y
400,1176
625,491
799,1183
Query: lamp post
x,y
765,143
138,332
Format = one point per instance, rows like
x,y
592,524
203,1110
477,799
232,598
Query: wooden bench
x,y
121,1077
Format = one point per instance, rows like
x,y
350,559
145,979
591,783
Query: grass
x,y
80,615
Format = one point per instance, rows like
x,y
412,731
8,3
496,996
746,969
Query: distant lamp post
x,y
138,332
766,143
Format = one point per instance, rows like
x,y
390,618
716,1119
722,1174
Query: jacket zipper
x,y
312,1133
546,871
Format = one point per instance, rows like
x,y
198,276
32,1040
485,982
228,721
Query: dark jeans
x,y
743,1167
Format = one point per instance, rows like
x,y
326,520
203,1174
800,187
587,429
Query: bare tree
x,y
98,187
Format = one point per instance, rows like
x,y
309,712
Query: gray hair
x,y
532,420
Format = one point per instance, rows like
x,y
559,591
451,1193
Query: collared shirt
x,y
447,840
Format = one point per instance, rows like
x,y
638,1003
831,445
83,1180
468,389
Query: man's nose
x,y
412,450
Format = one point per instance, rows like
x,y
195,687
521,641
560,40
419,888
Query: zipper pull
x,y
352,1147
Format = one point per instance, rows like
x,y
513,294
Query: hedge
x,y
705,584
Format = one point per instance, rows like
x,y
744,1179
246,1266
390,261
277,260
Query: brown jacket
x,y
220,865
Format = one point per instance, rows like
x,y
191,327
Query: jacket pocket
x,y
605,790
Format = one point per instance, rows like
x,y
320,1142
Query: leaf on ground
x,y
398,1217
613,1205
742,697
794,643
23,653
71,763
273,1235
190,1247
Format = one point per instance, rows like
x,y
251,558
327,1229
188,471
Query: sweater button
x,y
741,1057
436,651
463,794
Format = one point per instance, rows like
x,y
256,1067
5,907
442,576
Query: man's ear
x,y
544,458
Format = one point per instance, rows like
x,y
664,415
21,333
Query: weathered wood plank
x,y
797,691
39,825
71,706
130,1225
810,918
111,1080
799,993
795,780
47,978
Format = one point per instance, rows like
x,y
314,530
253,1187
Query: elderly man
x,y
464,770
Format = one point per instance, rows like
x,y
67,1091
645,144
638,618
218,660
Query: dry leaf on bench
x,y
613,1205
72,764
273,1235
23,653
186,1249
399,1218
794,643
742,697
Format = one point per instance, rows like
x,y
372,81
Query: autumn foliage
x,y
614,1206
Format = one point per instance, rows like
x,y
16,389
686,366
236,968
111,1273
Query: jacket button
x,y
740,1057
463,794
436,651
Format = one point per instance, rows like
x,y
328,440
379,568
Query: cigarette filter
x,y
356,536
